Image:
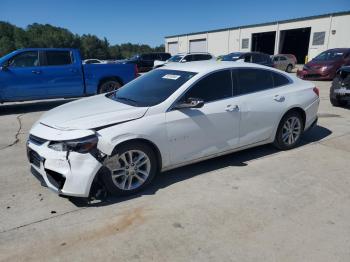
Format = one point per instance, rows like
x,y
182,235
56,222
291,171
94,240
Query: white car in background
x,y
169,117
183,58
94,61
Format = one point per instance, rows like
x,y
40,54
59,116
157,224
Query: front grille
x,y
34,158
312,75
37,140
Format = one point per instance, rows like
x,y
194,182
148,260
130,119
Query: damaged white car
x,y
169,117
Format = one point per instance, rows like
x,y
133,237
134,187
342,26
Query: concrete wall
x,y
230,40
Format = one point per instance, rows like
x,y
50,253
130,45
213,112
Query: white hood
x,y
91,113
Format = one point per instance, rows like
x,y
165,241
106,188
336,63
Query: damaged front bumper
x,y
66,174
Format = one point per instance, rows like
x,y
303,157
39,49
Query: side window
x,y
282,58
213,87
56,58
207,57
279,79
248,58
256,58
146,57
189,58
275,58
199,57
252,80
155,57
25,59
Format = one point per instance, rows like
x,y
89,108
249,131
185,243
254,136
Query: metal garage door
x,y
199,45
173,48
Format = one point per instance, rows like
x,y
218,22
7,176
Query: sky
x,y
149,21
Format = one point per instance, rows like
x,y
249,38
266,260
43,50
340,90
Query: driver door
x,y
22,78
194,133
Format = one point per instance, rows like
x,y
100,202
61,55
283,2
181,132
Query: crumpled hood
x,y
89,113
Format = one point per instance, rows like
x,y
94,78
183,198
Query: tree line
x,y
90,46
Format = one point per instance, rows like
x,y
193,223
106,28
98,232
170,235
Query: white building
x,y
307,36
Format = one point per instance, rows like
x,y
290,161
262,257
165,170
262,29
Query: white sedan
x,y
169,117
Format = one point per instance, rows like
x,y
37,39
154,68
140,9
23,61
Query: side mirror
x,y
4,67
240,60
183,61
190,103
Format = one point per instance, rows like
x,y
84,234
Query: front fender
x,y
150,128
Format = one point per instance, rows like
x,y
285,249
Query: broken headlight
x,y
81,145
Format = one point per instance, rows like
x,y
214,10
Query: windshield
x,y
329,55
152,88
175,58
6,57
231,57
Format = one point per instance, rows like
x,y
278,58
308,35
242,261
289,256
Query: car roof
x,y
338,49
209,65
46,49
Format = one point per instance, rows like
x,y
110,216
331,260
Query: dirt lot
x,y
256,205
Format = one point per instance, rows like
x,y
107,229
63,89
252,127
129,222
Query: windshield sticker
x,y
171,77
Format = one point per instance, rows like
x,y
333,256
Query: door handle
x,y
36,72
230,108
279,98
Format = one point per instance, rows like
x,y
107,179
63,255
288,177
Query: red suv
x,y
325,65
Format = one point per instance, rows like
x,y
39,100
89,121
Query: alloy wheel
x,y
133,170
291,130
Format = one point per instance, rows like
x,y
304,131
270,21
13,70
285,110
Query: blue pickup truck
x,y
44,73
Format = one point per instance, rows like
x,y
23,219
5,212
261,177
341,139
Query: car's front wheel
x,y
289,131
132,168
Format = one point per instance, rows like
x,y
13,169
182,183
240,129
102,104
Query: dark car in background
x,y
145,62
339,94
249,57
325,65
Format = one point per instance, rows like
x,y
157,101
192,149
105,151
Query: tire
x,y
336,84
109,86
126,177
289,133
289,68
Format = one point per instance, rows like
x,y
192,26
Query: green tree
x,y
39,35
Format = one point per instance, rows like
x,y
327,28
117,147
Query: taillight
x,y
317,91
136,71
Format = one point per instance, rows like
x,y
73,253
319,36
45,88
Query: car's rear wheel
x,y
289,68
289,131
132,168
109,86
336,84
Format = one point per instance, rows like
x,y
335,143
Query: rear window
x,y
54,58
253,80
151,88
279,79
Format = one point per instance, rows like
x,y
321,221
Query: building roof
x,y
264,24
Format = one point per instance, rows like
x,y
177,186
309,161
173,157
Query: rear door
x,y
22,78
199,132
62,74
262,101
